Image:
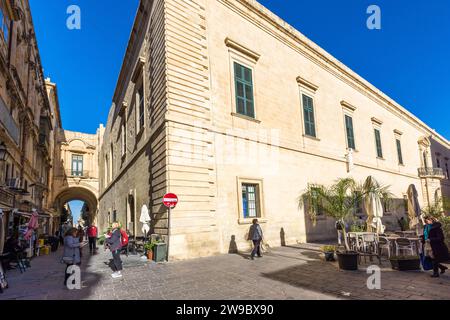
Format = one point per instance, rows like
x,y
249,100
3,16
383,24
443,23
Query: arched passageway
x,y
77,193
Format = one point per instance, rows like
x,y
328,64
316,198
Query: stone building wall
x,y
196,145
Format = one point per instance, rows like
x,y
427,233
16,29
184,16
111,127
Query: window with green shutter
x,y
350,133
399,151
243,79
250,200
308,116
378,143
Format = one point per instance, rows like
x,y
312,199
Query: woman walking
x,y
71,254
434,235
115,245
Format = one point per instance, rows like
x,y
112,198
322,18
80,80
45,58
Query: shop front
x,y
6,207
36,241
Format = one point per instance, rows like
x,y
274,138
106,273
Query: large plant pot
x,y
405,263
348,260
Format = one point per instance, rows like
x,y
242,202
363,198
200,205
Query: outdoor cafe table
x,y
414,240
359,235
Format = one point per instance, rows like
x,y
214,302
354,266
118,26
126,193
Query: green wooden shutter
x,y
243,78
350,133
308,115
378,143
399,151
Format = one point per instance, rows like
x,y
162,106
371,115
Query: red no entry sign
x,y
170,200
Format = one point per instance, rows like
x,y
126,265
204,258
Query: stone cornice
x,y
242,49
348,106
287,34
376,121
305,83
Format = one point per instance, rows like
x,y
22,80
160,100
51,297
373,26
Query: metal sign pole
x,y
168,233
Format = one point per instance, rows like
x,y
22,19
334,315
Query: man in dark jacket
x,y
438,246
115,245
256,235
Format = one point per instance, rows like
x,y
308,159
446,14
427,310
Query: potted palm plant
x,y
337,201
148,247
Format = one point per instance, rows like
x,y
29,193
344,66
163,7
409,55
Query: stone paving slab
x,y
296,272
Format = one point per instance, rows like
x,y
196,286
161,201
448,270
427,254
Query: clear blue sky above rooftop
x,y
408,59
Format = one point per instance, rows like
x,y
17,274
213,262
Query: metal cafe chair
x,y
353,241
369,246
384,243
404,244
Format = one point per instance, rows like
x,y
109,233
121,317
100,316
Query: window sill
x,y
401,164
243,221
245,117
311,137
380,158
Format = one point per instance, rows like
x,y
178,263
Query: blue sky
x,y
76,206
408,59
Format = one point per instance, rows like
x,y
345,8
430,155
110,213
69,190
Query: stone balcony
x,y
436,173
78,174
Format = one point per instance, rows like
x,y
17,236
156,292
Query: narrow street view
x,y
208,150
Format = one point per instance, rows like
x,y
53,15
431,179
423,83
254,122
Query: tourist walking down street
x,y
255,234
71,253
434,235
115,245
92,233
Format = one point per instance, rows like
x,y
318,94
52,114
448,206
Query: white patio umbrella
x,y
145,220
413,208
374,209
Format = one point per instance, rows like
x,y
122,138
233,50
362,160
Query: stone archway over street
x,y
76,172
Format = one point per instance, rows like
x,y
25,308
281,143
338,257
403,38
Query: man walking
x,y
255,234
92,233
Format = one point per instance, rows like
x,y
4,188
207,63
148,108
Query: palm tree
x,y
337,201
438,208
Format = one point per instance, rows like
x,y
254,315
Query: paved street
x,y
284,273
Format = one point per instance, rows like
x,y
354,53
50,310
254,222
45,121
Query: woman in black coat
x,y
438,246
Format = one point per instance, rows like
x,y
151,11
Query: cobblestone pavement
x,y
297,272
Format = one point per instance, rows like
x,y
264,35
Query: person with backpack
x,y
114,242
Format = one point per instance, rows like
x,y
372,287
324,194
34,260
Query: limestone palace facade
x,y
224,104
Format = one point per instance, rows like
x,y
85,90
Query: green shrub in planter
x,y
329,252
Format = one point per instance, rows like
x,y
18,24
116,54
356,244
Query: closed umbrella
x,y
373,206
145,220
413,208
